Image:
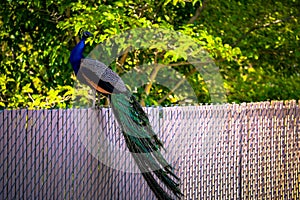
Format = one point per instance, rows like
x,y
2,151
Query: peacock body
x,y
140,138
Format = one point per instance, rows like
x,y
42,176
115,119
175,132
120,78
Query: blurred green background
x,y
255,44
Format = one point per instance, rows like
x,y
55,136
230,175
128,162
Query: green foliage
x,y
255,45
268,37
34,71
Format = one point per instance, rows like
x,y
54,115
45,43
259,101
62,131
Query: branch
x,y
121,62
177,86
187,63
152,77
171,91
198,12
158,66
257,27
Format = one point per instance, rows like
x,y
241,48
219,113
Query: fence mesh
x,y
247,151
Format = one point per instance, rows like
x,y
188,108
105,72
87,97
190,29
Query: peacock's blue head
x,y
77,52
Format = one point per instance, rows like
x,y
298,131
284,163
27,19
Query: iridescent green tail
x,y
144,145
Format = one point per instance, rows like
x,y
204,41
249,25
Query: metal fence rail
x,y
247,151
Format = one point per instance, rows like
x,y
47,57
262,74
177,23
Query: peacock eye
x,y
86,34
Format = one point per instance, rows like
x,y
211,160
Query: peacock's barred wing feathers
x,y
97,72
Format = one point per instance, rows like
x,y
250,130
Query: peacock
x,y
141,140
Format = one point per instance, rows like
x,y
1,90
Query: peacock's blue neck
x,y
77,55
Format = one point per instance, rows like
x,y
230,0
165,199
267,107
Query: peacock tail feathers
x,y
144,145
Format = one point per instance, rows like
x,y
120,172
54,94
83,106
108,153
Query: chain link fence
x,y
247,151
